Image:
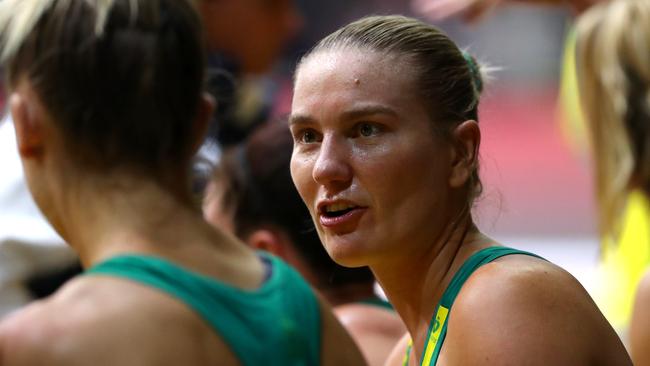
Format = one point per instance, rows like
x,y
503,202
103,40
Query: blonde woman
x,y
614,70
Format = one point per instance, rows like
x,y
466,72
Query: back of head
x,y
259,192
122,79
448,80
613,63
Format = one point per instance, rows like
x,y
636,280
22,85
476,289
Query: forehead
x,y
354,76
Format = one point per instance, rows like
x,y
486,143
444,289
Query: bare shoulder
x,y
47,331
337,347
105,321
524,310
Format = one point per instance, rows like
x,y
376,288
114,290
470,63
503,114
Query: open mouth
x,y
337,210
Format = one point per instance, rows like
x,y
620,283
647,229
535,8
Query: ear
x,y
28,126
467,139
266,240
202,120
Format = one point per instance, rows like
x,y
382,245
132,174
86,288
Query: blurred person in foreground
x,y
385,124
245,39
252,196
613,63
108,105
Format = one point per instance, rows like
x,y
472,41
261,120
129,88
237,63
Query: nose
x,y
332,169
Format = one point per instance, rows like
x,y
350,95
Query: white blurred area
x,y
28,244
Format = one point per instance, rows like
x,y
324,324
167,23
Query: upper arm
x,y
538,315
640,324
337,347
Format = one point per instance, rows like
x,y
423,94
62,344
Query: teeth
x,y
338,207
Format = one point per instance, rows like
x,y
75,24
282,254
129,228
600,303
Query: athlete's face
x,y
366,161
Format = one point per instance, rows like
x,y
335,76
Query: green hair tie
x,y
473,68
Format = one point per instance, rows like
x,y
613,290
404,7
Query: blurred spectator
x,y
245,39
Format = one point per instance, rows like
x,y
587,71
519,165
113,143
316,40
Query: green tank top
x,y
438,326
277,324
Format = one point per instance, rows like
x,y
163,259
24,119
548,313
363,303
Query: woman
x,y
384,119
613,61
107,102
252,196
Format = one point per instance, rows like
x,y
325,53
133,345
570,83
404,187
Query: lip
x,y
339,221
346,222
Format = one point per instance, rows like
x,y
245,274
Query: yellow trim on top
x,y
432,342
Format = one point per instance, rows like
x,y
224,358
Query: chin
x,y
348,254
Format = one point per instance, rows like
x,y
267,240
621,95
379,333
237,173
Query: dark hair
x,y
122,79
448,80
258,190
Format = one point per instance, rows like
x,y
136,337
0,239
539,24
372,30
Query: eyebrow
x,y
367,110
299,119
353,113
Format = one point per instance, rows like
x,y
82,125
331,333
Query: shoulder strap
x,y
438,326
280,320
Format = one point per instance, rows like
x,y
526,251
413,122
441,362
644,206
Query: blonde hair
x,y
613,63
18,18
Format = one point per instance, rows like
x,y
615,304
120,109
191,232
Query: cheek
x,y
411,179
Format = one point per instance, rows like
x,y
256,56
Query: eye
x,y
307,136
367,129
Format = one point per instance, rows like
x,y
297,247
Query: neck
x,y
415,283
100,219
